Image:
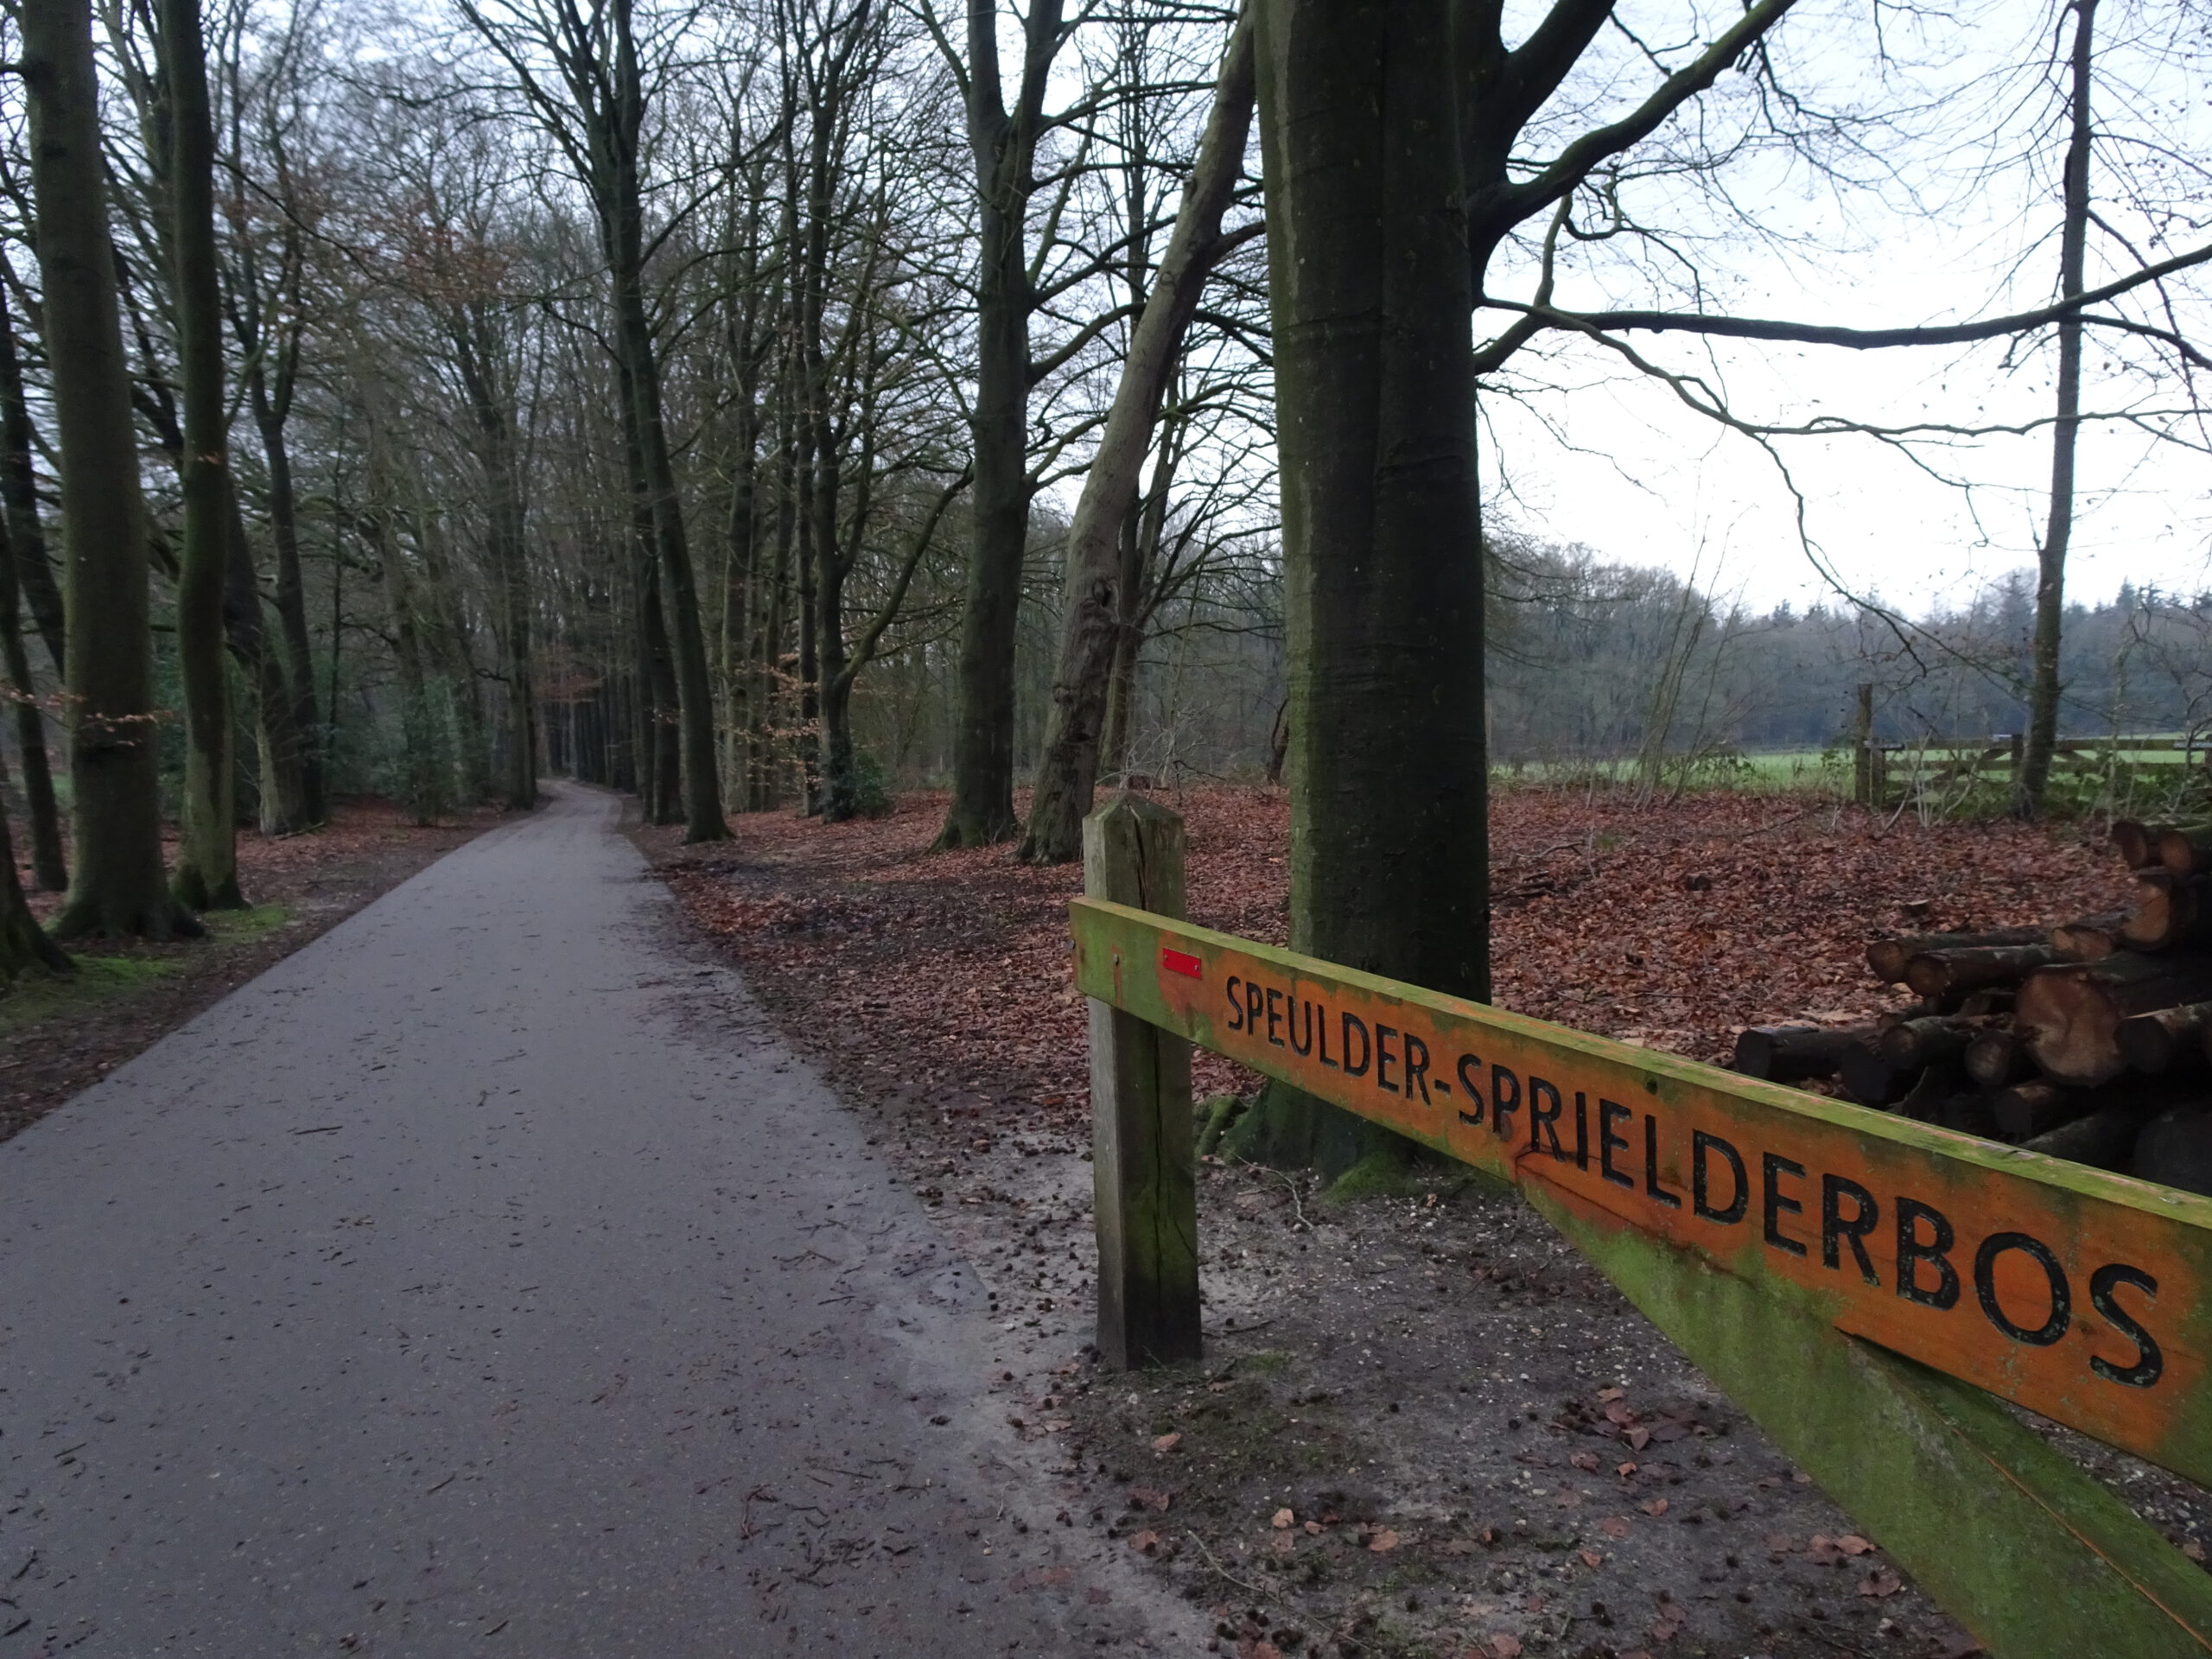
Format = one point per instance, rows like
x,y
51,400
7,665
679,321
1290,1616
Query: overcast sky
x,y
1953,215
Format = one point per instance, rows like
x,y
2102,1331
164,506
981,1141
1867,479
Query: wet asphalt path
x,y
488,1278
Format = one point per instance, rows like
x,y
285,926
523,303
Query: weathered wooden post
x,y
1862,750
1144,1170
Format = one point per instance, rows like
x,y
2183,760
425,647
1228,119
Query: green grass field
x,y
2147,782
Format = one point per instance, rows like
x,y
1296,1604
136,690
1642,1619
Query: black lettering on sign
x,y
1325,1060
1835,1231
1772,1167
1911,1252
1652,1190
1470,1068
1354,1023
1985,1288
2148,1362
1274,1014
1611,1112
1254,1007
1305,1047
1700,1193
1542,1122
1384,1056
1581,1130
1504,1101
1417,1070
1235,1007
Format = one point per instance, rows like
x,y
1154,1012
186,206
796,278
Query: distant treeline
x,y
1596,659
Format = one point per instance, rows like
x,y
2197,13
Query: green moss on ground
x,y
104,978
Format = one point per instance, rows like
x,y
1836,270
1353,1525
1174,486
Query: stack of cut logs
x,y
2090,1040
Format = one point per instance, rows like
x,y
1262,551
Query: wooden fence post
x,y
1862,750
1144,1170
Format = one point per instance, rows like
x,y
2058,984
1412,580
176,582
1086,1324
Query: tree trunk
x,y
665,798
982,809
1003,143
23,942
1370,283
49,864
291,595
207,875
448,626
617,124
118,887
2050,566
19,489
1092,616
283,801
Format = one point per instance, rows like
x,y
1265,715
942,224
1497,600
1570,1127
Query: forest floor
x,y
59,1036
1424,1427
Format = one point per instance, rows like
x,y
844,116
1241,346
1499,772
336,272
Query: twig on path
x,y
328,1128
1250,1589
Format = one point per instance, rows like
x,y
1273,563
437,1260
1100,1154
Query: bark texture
x,y
118,887
206,875
1096,606
1002,139
1372,289
2044,688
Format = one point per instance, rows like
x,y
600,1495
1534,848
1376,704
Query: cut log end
x,y
1889,957
1956,971
1793,1053
2132,841
2166,1040
2175,1148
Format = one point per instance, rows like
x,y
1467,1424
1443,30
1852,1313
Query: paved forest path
x,y
489,1278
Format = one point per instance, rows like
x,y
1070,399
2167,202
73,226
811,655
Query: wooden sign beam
x,y
2080,1295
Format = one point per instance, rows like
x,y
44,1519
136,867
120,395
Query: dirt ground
x,y
58,1036
1423,1427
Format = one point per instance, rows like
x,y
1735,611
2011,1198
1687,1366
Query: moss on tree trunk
x,y
1369,276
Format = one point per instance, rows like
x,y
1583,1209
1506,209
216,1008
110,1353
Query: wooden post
x,y
1144,1170
1862,756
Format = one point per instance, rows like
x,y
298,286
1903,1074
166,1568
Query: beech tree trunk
x,y
2058,532
49,866
1003,143
118,887
1371,288
23,942
1097,604
269,413
19,489
207,875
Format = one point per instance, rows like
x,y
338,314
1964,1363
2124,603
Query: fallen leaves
x,y
1614,1526
1166,1443
870,928
1147,1497
1881,1582
1283,1518
1824,1551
